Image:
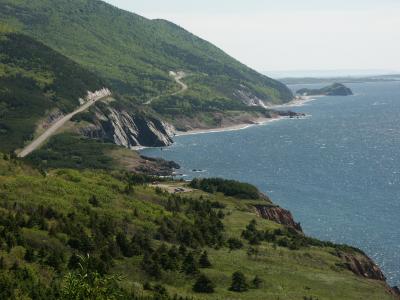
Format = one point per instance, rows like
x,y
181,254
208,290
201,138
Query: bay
x,y
337,170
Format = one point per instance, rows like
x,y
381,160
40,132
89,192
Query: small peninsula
x,y
336,89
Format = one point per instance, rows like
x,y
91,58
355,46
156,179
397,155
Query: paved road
x,y
178,77
53,128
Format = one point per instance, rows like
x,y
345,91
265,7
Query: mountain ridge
x,y
93,33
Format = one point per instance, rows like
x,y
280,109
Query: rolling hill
x,y
69,234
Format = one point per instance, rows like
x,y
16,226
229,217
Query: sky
x,y
290,35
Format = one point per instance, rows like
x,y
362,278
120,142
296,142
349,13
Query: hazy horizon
x,y
271,36
278,74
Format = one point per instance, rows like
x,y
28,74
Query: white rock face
x,y
125,129
248,98
164,137
130,130
93,96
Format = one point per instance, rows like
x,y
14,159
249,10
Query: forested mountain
x,y
135,54
81,218
34,82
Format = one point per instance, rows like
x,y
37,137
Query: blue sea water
x,y
338,170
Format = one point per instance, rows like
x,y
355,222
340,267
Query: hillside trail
x,y
178,76
36,143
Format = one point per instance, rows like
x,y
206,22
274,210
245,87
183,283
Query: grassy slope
x,y
287,274
34,80
70,150
135,53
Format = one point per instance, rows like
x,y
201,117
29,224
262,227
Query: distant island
x,y
336,89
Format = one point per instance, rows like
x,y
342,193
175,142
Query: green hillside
x,y
70,234
34,81
136,54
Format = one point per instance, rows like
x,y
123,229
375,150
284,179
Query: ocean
x,y
337,170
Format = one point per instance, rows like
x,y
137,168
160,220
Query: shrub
x,y
189,266
257,282
234,244
203,285
227,187
239,283
204,262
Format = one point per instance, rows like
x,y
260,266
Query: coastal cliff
x,y
355,261
129,130
278,215
362,265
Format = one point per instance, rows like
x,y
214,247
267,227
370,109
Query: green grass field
x,y
286,274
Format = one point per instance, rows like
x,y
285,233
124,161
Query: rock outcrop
x,y
129,130
93,96
278,215
396,291
157,166
361,265
247,97
289,114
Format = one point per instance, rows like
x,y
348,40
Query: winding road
x,y
178,76
57,125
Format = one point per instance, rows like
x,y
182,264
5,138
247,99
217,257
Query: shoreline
x,y
297,102
257,122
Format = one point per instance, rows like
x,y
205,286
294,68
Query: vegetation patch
x,y
34,80
227,187
108,234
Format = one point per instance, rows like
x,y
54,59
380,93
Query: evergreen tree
x,y
151,266
174,256
234,244
136,212
182,250
257,281
2,263
147,286
253,252
55,260
204,262
94,201
203,285
29,255
239,283
124,245
73,262
189,266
